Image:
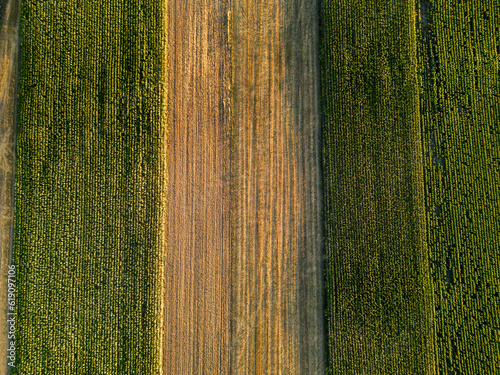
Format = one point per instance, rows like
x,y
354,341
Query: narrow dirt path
x,y
9,49
276,219
197,271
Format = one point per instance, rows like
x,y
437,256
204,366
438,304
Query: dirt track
x,y
277,303
9,42
197,270
273,230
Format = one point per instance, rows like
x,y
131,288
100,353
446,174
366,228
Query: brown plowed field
x,y
9,42
197,270
277,304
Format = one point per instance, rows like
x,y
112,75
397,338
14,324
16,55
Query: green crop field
x,y
377,283
459,50
89,188
412,242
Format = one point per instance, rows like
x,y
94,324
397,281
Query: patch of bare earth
x,y
277,303
9,43
197,268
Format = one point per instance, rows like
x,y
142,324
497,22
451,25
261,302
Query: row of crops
x,y
412,255
459,81
378,316
88,188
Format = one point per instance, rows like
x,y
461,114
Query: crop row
x,y
375,70
377,282
459,46
89,188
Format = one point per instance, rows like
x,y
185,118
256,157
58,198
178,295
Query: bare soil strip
x,y
302,99
277,307
9,42
197,271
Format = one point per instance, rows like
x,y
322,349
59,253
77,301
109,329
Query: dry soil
x,y
9,43
243,270
276,213
197,271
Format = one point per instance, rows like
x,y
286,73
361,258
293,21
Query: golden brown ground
x,y
277,303
197,270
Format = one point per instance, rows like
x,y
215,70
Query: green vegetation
x,y
89,187
392,305
459,47
379,316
